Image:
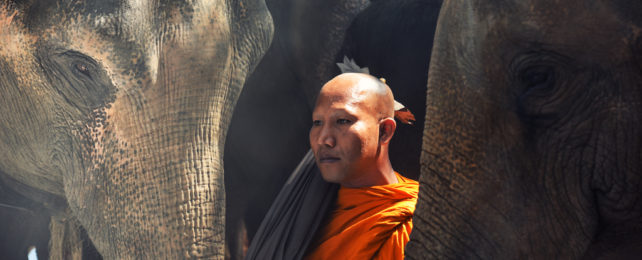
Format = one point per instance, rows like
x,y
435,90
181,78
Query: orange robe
x,y
368,223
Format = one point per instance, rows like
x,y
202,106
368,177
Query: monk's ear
x,y
387,128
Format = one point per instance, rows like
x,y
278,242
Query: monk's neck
x,y
382,175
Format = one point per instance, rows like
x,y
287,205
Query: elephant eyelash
x,y
537,76
80,63
82,68
537,70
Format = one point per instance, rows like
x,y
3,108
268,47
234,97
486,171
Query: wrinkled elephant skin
x,y
533,132
120,110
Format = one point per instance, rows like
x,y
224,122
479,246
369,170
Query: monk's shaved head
x,y
352,124
363,90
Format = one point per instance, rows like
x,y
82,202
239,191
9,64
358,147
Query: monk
x,y
352,125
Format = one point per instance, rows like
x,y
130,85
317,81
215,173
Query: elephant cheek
x,y
153,192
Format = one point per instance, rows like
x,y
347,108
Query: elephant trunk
x,y
153,181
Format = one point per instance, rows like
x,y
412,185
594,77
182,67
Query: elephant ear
x,y
402,113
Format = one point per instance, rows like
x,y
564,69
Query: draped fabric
x,y
368,223
295,215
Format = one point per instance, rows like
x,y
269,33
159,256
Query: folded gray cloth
x,y
295,215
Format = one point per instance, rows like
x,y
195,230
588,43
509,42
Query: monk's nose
x,y
326,138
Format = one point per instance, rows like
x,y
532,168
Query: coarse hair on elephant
x,y
114,115
533,136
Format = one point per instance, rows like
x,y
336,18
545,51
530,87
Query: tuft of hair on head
x,y
349,65
402,113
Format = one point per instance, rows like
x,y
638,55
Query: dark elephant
x,y
25,224
114,116
269,129
533,132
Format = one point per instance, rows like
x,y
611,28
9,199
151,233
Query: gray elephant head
x,y
119,110
533,136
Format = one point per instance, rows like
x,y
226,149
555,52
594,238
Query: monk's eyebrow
x,y
344,113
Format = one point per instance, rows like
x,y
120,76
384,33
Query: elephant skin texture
x,y
114,116
533,135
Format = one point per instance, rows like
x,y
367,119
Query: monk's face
x,y
345,131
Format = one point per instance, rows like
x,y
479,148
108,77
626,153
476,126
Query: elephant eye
x,y
539,92
537,71
82,68
537,77
78,77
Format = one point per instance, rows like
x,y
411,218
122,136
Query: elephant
x,y
308,41
532,138
114,116
277,99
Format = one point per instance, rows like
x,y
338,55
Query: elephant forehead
x,y
188,26
16,46
130,35
588,29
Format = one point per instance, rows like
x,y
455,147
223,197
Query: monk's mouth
x,y
328,159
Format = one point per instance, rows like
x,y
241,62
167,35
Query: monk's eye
x,y
316,122
343,121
